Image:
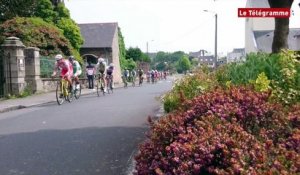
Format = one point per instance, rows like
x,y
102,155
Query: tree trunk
x,y
281,32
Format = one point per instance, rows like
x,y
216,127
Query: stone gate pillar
x,y
14,66
33,69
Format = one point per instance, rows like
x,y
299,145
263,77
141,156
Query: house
x,y
203,59
101,40
237,55
259,32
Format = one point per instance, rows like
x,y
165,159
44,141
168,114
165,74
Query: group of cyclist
x,y
132,75
71,69
155,75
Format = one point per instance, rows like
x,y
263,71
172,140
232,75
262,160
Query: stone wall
x,y
50,85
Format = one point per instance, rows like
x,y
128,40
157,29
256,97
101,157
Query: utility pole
x,y
216,40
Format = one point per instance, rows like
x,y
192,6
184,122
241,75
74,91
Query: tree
x,y
12,8
183,64
35,32
281,26
134,53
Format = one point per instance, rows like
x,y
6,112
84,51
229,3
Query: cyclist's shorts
x,y
66,74
77,73
109,72
101,71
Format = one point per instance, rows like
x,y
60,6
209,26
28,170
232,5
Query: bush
x,y
34,32
187,88
233,131
282,70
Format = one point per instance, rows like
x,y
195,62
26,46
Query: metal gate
x,y
2,78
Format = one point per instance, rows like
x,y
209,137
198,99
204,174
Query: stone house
x,y
101,40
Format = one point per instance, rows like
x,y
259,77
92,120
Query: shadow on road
x,y
87,151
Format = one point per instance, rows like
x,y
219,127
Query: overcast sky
x,y
170,25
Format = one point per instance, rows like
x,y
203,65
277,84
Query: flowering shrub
x,y
233,131
188,88
35,32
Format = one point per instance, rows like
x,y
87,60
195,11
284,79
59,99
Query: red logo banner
x,y
264,12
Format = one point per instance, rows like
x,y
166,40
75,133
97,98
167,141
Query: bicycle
x,y
109,83
141,78
100,85
63,92
77,91
125,81
133,81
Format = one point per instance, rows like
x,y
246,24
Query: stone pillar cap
x,y
12,42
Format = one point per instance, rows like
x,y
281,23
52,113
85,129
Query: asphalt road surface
x,y
90,136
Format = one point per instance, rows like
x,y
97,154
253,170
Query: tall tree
x,y
281,26
12,8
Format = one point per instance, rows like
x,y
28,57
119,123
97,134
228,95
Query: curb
x,y
13,108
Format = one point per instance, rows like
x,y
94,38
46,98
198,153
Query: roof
x,y
258,4
98,35
238,50
264,39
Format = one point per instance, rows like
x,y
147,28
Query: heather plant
x,y
224,131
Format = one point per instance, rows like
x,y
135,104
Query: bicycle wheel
x,y
77,92
102,87
59,95
111,86
70,94
98,88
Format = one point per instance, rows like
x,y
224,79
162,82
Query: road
x,y
90,136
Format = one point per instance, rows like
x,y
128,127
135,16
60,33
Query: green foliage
x,y
122,50
261,83
187,88
146,58
134,53
183,64
45,10
35,32
71,32
287,88
170,59
58,15
283,71
12,8
62,11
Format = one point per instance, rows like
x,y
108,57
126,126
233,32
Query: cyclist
x,y
140,74
76,70
133,75
66,69
109,74
101,66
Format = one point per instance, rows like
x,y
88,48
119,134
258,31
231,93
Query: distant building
x,y
203,59
259,32
237,55
101,40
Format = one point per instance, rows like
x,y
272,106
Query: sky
x,y
171,25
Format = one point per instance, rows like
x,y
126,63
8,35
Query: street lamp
x,y
216,36
147,44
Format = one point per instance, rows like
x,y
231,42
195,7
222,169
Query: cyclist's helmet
x,y
100,60
58,57
71,58
111,65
